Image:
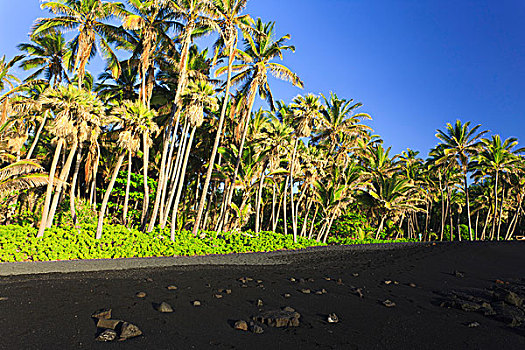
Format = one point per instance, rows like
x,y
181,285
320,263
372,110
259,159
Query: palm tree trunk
x,y
486,224
476,228
93,192
294,222
501,209
239,158
310,234
181,183
468,210
175,173
49,192
107,195
443,212
145,202
37,137
218,136
383,217
494,221
73,187
63,178
259,200
126,196
305,222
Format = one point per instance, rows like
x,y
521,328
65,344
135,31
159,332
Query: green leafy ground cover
x,y
19,243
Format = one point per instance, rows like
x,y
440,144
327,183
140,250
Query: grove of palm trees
x,y
175,141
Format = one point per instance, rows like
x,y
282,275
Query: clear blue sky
x,y
415,64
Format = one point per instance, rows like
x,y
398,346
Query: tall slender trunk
x,y
443,212
181,183
72,188
486,224
468,210
93,192
310,234
105,201
305,222
259,200
175,173
145,202
476,228
50,185
126,196
383,217
37,137
64,173
231,190
501,209
494,221
294,221
216,143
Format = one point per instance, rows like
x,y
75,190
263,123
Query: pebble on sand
x,y
164,307
141,295
171,287
107,336
389,303
241,325
332,318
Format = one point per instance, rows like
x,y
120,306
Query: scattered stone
x,y
108,324
287,295
396,282
259,303
473,325
355,274
459,274
513,299
4,298
218,296
327,278
387,282
261,286
171,287
107,336
319,292
292,279
207,285
257,329
196,303
241,325
499,282
259,281
279,318
288,309
306,291
164,307
310,280
244,286
141,295
339,282
129,330
413,285
245,279
332,318
103,313
228,291
359,292
149,279
389,303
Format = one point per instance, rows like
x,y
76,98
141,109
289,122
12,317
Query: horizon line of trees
x,y
170,136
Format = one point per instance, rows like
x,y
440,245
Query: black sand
x,y
52,311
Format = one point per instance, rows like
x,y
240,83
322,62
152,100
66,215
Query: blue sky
x,y
414,64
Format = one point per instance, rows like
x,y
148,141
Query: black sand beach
x,y
53,311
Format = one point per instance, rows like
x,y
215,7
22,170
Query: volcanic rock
x,y
107,335
279,318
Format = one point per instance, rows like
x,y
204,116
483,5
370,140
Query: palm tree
x,y
306,111
123,88
78,115
87,17
495,158
49,55
460,143
261,48
228,16
198,99
22,175
135,120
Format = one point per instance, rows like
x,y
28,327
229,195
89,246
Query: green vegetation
x,y
166,140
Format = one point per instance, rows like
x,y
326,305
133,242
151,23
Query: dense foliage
x,y
167,140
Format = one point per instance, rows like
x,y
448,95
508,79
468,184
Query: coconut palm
x,y
199,99
228,17
49,55
87,17
135,120
460,143
261,48
22,175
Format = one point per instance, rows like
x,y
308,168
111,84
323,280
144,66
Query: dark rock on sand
x,y
389,303
196,303
129,330
141,295
255,328
279,318
102,313
107,336
241,325
332,318
171,287
459,274
108,324
259,303
163,307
